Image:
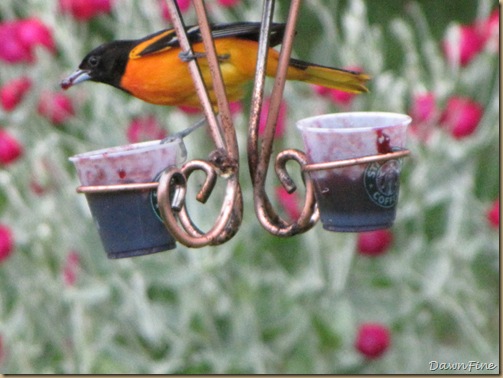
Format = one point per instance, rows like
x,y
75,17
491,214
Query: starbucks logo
x,y
381,182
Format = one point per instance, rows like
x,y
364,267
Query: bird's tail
x,y
336,78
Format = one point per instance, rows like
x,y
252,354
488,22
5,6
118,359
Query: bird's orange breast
x,y
163,78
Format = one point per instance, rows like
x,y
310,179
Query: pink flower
x,y
489,28
335,95
321,91
280,123
6,242
424,108
10,148
341,97
228,3
472,39
33,32
493,214
461,116
424,112
144,129
465,47
19,38
372,340
183,5
56,107
12,93
71,268
13,50
84,10
374,243
289,203
236,107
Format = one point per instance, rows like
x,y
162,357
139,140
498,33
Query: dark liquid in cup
x,y
131,216
364,203
346,206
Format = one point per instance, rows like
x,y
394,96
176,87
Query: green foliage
x,y
257,304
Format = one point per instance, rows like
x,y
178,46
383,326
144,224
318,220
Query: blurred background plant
x,y
389,301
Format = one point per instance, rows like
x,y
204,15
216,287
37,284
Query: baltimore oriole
x,y
153,69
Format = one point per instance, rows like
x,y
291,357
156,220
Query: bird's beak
x,y
75,78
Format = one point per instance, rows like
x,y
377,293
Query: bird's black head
x,y
105,64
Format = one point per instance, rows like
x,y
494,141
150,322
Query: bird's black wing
x,y
167,39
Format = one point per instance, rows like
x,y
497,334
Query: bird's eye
x,y
93,61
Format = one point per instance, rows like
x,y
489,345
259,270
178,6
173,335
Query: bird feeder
x,y
380,156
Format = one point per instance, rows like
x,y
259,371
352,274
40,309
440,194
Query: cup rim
x,y
124,150
305,124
